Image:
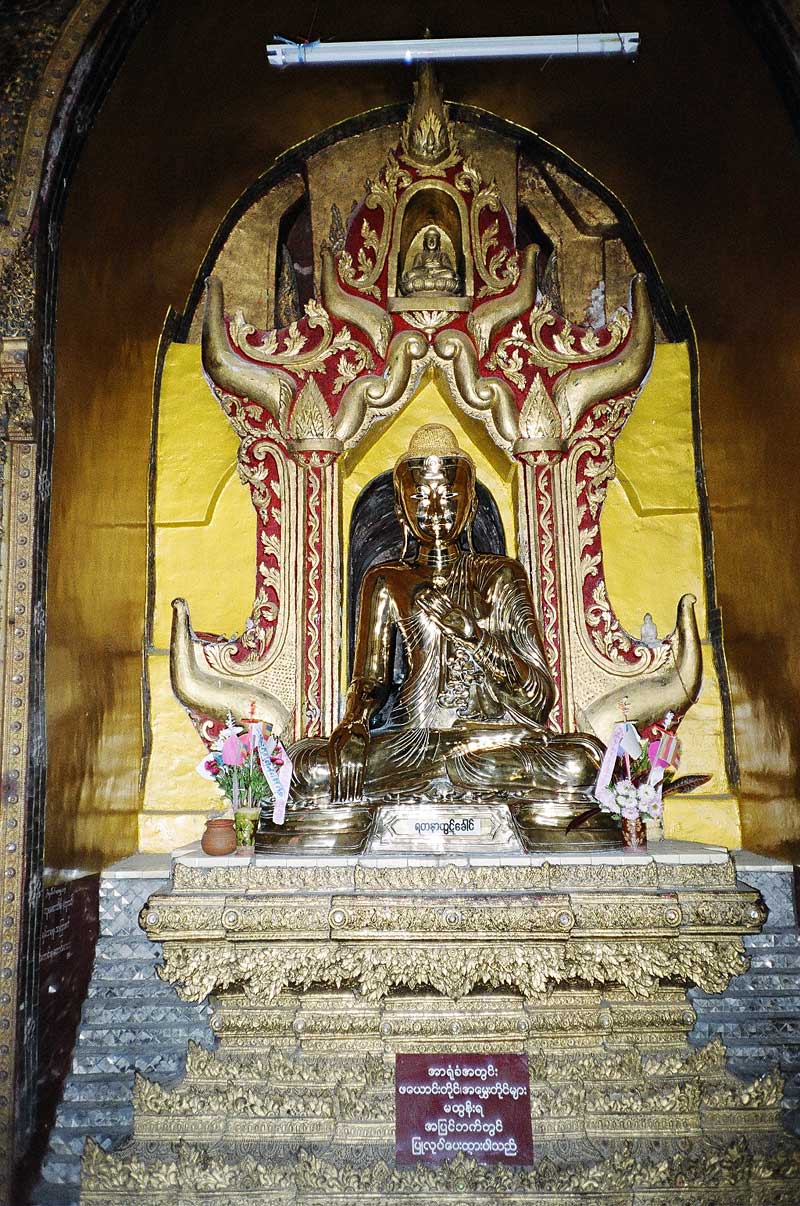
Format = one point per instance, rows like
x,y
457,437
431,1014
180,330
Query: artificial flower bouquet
x,y
629,800
252,771
635,776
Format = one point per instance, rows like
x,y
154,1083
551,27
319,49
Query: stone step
x,y
93,1038
170,1013
789,938
132,993
70,1143
56,1195
119,968
765,1054
57,1172
760,981
767,1007
161,1064
87,1119
788,1031
134,941
98,1090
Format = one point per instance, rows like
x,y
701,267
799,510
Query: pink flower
x,y
233,751
209,767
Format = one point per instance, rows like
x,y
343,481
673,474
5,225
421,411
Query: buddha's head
x,y
431,240
434,486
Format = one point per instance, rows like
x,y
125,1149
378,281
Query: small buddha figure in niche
x,y
432,272
472,710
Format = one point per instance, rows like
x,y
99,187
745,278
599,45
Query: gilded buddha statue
x,y
471,714
432,272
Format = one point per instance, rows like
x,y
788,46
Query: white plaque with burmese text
x,y
444,829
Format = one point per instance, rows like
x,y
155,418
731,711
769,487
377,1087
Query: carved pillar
x,y
539,531
321,635
18,455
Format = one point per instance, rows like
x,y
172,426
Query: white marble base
x,y
660,852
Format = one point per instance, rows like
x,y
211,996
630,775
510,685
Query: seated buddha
x,y
471,714
432,271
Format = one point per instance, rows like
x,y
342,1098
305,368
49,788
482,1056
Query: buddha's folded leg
x,y
311,774
566,762
403,759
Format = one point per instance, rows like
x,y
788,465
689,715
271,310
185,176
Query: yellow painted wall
x,y
204,549
652,553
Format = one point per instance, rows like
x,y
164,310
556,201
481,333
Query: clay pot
x,y
634,834
219,837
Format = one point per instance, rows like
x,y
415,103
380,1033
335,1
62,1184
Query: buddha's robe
x,y
470,716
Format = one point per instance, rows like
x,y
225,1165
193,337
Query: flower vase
x,y
219,837
634,835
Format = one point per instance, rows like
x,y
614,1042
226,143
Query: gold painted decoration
x,y
202,689
486,320
428,321
310,418
702,1172
16,407
294,354
316,993
498,267
77,27
563,352
551,927
18,478
196,970
373,247
516,351
269,387
370,318
353,357
403,369
539,420
457,353
427,246
577,389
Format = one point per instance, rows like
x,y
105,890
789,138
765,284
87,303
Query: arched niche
x,y
430,203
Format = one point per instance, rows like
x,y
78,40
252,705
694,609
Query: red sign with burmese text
x,y
472,1105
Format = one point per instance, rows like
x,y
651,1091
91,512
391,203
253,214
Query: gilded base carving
x,y
528,926
611,1114
322,974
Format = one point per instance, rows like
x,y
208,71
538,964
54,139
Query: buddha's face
x,y
436,495
431,239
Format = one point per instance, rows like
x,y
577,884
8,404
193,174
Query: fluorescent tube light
x,y
544,46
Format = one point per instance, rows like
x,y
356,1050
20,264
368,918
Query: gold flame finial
x,y
426,132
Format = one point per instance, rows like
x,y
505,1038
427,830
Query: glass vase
x,y
246,820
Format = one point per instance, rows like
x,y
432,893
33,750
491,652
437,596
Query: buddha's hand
x,y
347,758
453,621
